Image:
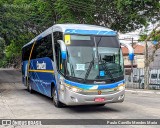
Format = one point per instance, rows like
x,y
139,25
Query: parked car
x,y
154,79
140,78
135,78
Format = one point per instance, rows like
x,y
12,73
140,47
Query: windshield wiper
x,y
92,62
107,70
89,69
72,70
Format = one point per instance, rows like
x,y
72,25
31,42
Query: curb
x,y
143,92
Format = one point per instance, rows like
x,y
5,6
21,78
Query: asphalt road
x,y
17,103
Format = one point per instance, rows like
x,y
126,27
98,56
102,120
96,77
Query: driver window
x,y
60,63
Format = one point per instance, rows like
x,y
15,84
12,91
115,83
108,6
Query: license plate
x,y
99,99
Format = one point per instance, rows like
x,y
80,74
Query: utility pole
x,y
132,68
146,67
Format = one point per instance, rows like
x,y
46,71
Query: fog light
x,y
121,97
74,99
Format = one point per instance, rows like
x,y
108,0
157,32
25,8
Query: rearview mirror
x,y
63,49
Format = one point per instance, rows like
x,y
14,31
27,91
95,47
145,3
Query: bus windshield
x,y
94,57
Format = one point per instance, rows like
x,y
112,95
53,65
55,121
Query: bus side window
x,y
26,52
43,48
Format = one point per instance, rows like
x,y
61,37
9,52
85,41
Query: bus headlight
x,y
121,87
63,85
74,89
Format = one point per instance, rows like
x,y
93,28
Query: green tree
x,y
21,20
149,57
119,15
2,46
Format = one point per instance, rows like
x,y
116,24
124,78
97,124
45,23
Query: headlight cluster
x,y
63,85
74,89
121,87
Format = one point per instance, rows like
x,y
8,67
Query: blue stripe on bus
x,y
89,86
90,32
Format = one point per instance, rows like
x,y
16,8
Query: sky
x,y
135,34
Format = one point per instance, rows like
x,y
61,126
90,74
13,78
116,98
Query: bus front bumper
x,y
72,98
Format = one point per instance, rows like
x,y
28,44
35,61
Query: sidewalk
x,y
143,91
6,68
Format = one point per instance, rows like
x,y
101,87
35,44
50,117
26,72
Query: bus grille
x,y
99,92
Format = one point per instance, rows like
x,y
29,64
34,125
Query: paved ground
x,y
16,102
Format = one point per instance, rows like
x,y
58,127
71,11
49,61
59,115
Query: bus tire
x,y
29,87
99,105
56,102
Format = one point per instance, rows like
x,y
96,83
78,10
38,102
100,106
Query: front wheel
x,y
56,102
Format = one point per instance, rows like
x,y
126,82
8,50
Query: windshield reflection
x,y
94,58
79,59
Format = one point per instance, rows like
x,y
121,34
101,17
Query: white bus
x,y
75,64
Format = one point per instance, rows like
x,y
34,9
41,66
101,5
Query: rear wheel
x,y
56,102
29,87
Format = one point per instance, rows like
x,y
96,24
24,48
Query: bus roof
x,y
83,29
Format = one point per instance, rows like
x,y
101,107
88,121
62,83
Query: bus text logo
x,y
41,65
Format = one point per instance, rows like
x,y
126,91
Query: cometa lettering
x,y
41,65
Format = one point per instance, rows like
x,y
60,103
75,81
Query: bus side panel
x,y
24,71
42,76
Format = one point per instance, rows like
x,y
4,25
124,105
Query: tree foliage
x,y
21,20
149,57
2,46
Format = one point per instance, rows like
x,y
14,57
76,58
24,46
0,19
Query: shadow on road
x,y
91,109
79,108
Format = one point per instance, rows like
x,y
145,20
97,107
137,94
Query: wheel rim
x,y
55,96
29,86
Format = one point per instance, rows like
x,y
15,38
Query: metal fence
x,y
138,79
